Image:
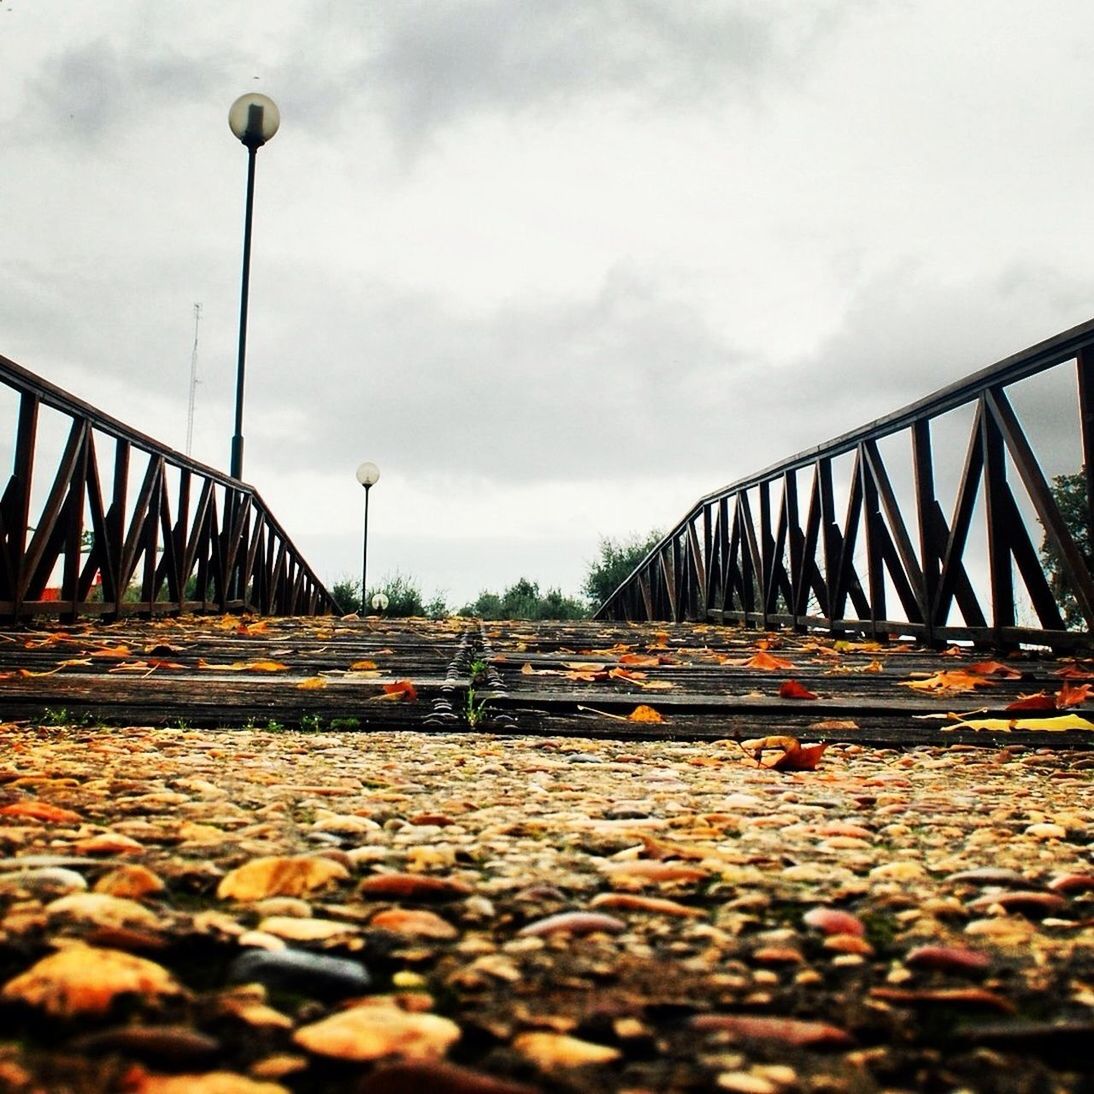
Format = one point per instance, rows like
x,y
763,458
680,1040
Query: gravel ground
x,y
281,911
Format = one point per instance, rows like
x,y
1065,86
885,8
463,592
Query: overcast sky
x,y
559,267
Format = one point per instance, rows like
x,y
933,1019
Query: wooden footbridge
x,y
917,579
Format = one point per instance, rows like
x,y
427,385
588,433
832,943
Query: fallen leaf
x,y
1060,724
640,661
835,723
993,668
1038,701
312,683
947,682
362,666
793,756
767,662
641,713
1072,695
792,689
399,691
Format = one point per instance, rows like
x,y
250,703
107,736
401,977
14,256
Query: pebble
x,y
316,976
833,921
373,1031
44,882
559,1050
436,1077
573,923
416,923
416,887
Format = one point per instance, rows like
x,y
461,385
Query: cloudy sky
x,y
559,267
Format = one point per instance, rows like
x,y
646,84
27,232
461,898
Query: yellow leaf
x,y
1059,724
312,683
362,666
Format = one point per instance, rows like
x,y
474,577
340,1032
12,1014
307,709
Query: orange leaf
x,y
640,661
792,755
402,690
791,689
764,660
1040,701
644,714
1072,696
112,653
362,666
947,682
312,683
993,668
263,666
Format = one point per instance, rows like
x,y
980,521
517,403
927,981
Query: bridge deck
x,y
584,679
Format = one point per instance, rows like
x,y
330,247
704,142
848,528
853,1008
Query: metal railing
x,y
896,564
169,534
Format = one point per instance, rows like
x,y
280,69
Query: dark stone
x,y
313,975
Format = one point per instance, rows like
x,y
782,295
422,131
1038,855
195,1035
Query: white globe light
x,y
254,119
368,474
380,602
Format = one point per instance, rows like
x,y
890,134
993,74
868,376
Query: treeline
x,y
402,595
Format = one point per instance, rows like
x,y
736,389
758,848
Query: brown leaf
x,y
947,682
1038,702
792,689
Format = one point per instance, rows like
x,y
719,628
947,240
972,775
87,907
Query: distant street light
x,y
368,475
254,120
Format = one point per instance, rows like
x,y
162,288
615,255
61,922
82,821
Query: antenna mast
x,y
193,381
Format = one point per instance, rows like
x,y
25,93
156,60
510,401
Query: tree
x,y
617,558
1070,494
523,600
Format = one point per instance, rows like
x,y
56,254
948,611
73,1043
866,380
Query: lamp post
x,y
254,120
368,475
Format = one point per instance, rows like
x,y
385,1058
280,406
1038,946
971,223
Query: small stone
x,y
764,1028
86,980
102,910
414,923
743,1082
991,875
1035,904
1046,831
557,1050
46,882
435,1077
130,881
172,1045
1072,883
833,921
415,887
956,959
899,871
848,943
297,929
209,1082
373,1031
316,976
573,923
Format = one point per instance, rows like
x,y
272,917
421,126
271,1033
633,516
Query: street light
x,y
254,120
368,475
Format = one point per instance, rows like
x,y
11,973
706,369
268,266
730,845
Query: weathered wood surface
x,y
581,679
